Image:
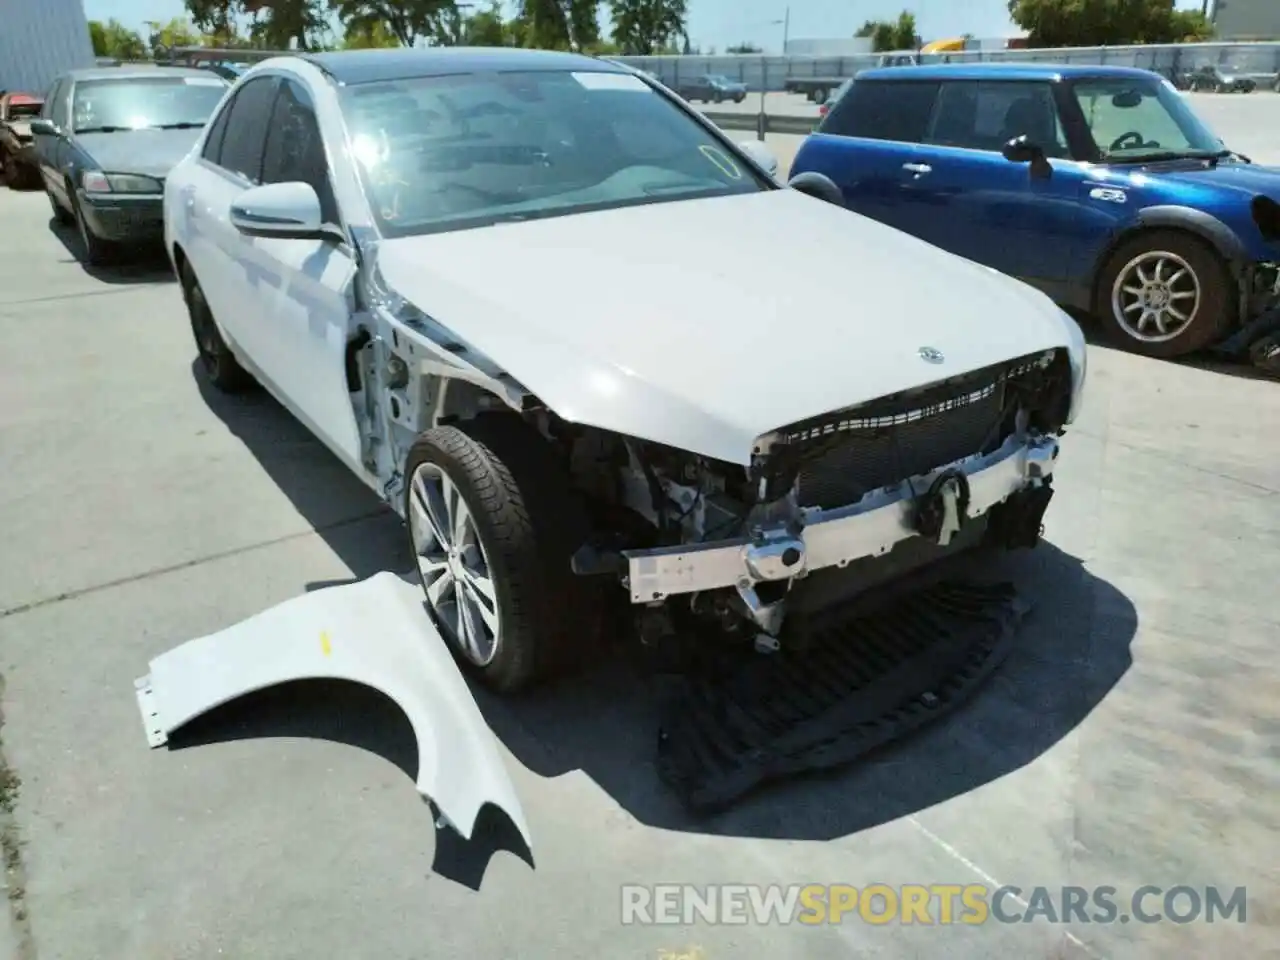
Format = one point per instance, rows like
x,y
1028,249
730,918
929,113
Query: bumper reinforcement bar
x,y
856,685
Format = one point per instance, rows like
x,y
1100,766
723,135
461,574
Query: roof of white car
x,y
372,66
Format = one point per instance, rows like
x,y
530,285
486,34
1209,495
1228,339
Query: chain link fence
x,y
770,74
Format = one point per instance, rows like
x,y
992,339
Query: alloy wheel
x,y
1155,296
454,564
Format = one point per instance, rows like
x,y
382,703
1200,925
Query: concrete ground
x,y
1131,739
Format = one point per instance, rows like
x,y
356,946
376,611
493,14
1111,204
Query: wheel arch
x,y
1197,224
179,258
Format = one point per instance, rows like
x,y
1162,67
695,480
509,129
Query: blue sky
x,y
719,23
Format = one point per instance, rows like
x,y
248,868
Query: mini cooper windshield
x,y
1136,121
450,152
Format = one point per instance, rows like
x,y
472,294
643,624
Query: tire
x,y
220,365
526,523
60,213
1192,265
820,95
97,251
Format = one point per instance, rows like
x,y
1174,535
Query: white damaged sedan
x,y
591,350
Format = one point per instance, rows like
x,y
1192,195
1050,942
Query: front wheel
x,y
493,524
96,250
1165,294
60,213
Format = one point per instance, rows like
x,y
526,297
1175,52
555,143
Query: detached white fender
x,y
375,632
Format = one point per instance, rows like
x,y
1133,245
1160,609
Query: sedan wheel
x,y
216,359
493,522
96,250
454,565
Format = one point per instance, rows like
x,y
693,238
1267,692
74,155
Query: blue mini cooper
x,y
1098,185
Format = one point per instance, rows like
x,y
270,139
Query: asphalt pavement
x,y
1131,739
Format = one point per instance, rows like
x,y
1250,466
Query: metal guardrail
x,y
770,73
761,123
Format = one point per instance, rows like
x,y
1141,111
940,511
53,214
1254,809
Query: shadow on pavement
x,y
1073,648
1237,363
134,263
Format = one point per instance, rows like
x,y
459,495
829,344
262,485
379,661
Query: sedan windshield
x,y
1142,120
136,103
468,150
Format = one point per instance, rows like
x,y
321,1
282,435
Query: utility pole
x,y
786,29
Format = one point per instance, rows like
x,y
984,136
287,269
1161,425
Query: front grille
x,y
863,460
845,455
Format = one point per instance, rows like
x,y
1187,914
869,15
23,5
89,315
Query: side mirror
x,y
1024,150
819,186
290,210
760,155
43,127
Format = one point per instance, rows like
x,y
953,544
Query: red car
x,y
17,151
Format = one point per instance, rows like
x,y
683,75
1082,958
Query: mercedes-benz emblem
x,y
931,355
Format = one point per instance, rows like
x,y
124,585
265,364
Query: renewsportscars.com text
x,y
933,904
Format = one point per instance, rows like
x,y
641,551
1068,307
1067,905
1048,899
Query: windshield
x,y
136,103
1134,120
719,78
445,153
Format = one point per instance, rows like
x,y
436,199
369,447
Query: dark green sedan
x,y
105,140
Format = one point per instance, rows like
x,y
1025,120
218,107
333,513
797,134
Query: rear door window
x,y
217,131
247,126
893,110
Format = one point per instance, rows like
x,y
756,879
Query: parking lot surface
x,y
1131,739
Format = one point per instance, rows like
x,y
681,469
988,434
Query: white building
x,y
828,47
40,39
1247,19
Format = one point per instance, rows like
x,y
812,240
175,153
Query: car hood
x,y
21,128
703,324
152,153
1250,178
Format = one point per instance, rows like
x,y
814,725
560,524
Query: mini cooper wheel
x,y
1165,294
493,525
216,359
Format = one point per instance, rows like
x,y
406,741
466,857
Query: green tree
x,y
98,37
1096,23
178,32
406,20
642,27
113,39
367,36
744,47
897,34
277,23
489,28
214,18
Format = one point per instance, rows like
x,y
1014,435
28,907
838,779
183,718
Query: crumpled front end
x,y
973,454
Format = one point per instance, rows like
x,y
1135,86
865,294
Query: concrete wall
x,y
1247,19
40,39
834,47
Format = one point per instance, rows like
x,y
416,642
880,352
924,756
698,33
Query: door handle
x,y
917,168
